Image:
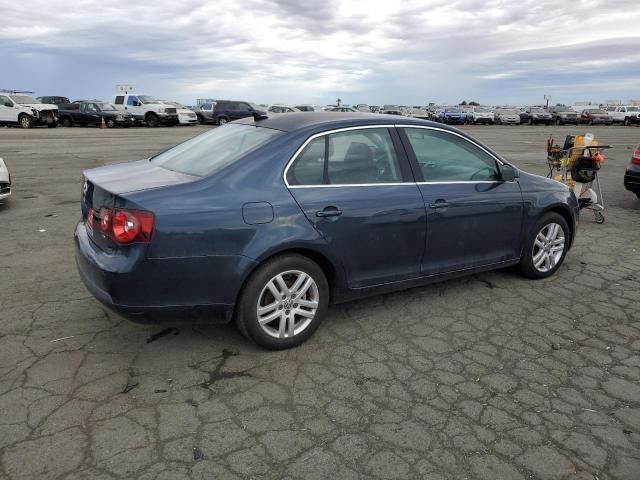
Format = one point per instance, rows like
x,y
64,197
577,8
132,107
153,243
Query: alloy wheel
x,y
548,247
287,304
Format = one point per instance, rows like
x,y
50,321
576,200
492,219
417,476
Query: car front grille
x,y
5,188
170,110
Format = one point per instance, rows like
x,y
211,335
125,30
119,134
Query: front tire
x,y
111,123
66,122
222,120
152,120
546,247
283,302
25,121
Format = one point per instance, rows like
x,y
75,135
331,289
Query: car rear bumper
x,y
632,180
172,290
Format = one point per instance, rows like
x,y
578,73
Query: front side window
x,y
215,149
444,157
5,101
132,101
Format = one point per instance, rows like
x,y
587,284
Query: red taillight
x,y
125,226
635,159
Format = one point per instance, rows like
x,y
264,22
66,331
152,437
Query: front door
x,y
356,189
474,218
7,113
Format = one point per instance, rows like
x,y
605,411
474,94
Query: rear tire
x,y
66,122
627,122
541,257
531,121
288,315
222,120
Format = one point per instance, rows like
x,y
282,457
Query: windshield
x,y
537,110
597,112
23,99
453,110
106,107
482,110
147,99
508,112
256,107
215,149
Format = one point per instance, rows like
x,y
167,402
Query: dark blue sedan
x,y
268,220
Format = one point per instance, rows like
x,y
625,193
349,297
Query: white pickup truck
x,y
627,115
146,109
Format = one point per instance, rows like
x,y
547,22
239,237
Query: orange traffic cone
x,y
103,125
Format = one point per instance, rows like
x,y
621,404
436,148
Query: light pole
x,y
547,98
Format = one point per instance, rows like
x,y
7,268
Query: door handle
x,y
329,212
439,204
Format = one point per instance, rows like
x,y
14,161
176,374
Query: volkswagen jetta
x,y
268,220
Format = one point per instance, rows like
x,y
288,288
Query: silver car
x,y
507,116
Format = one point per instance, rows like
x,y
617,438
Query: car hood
x,y
539,183
135,176
40,106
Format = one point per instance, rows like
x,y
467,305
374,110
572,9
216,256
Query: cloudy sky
x,y
404,51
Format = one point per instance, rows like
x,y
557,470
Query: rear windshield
x,y
215,149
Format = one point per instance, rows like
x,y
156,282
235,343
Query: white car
x,y
18,108
5,181
481,115
280,108
625,114
185,115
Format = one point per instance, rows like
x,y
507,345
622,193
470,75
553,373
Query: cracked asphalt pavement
x,y
486,377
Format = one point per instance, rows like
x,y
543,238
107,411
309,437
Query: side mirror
x,y
138,104
508,173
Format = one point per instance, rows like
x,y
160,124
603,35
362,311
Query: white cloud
x,y
307,50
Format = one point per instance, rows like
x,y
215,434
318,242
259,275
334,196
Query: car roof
x,y
301,121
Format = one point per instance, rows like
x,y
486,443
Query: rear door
x,y
473,217
356,188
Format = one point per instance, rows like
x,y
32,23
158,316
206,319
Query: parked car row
x,y
559,115
123,110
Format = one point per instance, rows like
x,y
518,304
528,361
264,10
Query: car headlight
x,y
161,110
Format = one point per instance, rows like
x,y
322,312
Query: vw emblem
x,y
85,187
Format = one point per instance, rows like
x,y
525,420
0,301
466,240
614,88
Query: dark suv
x,y
53,100
223,111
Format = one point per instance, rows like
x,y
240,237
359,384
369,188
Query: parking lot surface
x,y
487,377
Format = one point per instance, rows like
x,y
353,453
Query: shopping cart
x,y
576,164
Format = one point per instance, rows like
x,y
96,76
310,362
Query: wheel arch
x,y
329,268
565,213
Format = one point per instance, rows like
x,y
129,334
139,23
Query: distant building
x,y
200,101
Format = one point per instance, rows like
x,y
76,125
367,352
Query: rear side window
x,y
119,99
444,157
362,156
308,169
352,157
215,149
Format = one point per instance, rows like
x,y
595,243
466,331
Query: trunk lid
x,y
135,176
103,186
